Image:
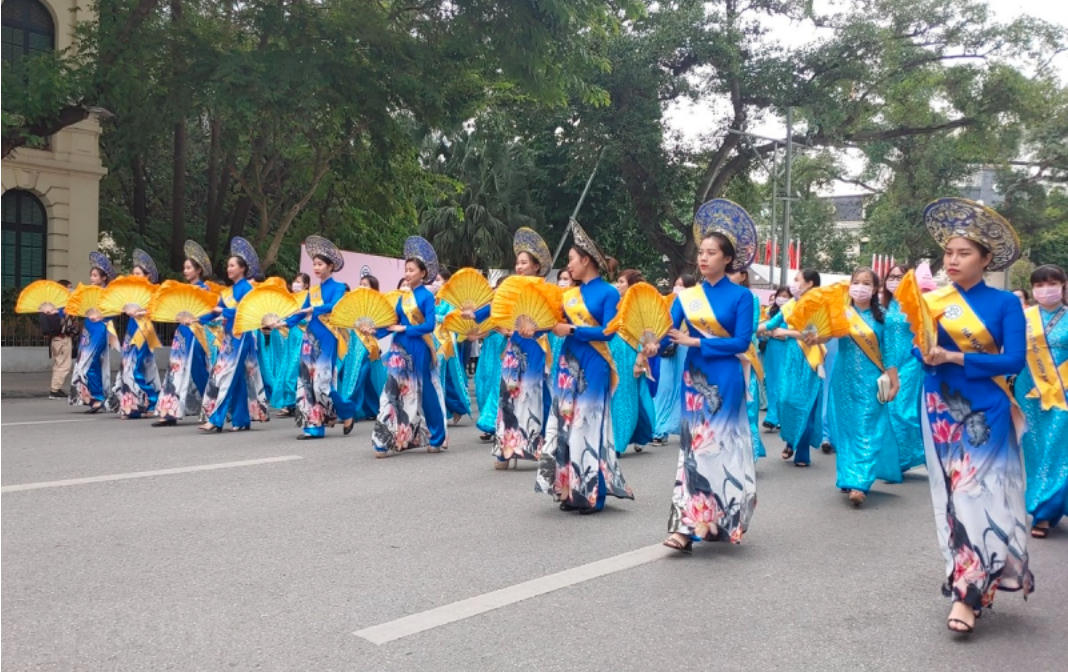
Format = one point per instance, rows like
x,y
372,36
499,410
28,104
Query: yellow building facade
x,y
51,195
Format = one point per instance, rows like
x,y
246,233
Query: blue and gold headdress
x,y
586,244
194,252
528,240
948,218
417,247
101,263
239,247
727,217
141,258
317,245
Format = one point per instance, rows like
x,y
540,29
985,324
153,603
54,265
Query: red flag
x,y
798,254
767,251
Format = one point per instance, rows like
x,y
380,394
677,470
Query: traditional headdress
x,y
141,258
730,219
528,240
319,246
194,252
239,247
949,218
417,247
586,244
101,263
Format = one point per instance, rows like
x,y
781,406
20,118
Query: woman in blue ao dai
x,y
859,418
190,362
92,372
715,484
318,402
774,361
235,389
897,353
799,408
578,465
137,385
974,460
1045,445
412,407
752,404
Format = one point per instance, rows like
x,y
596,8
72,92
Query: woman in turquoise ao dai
x,y
715,484
971,426
859,418
633,411
284,357
235,389
92,372
578,465
897,353
190,361
412,407
318,402
363,374
669,383
137,386
799,411
774,361
1045,445
755,370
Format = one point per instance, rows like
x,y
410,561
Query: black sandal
x,y
968,629
307,437
95,408
165,423
486,437
564,506
1039,532
787,453
348,426
673,543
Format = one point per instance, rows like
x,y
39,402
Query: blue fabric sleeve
x,y
295,319
1013,357
776,322
482,314
742,333
430,317
609,307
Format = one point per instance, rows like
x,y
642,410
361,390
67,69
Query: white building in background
x,y
51,195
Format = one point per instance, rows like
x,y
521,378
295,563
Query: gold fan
x,y
85,300
643,317
301,296
922,319
215,288
176,302
466,290
505,297
393,297
537,309
464,328
363,308
273,283
822,311
127,291
42,295
262,307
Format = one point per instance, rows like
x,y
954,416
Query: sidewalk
x,y
25,385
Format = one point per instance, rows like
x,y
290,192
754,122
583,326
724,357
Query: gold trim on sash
x,y
580,316
1049,378
699,312
865,337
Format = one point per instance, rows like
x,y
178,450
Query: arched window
x,y
25,232
28,29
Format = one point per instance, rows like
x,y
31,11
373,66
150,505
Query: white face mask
x,y
1049,296
677,290
781,301
298,286
795,289
892,285
860,292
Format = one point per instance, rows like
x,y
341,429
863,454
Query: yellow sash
x,y
227,297
415,316
865,337
1049,378
315,299
814,354
146,333
579,315
701,315
113,336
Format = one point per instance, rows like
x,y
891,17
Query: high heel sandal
x,y
348,426
673,542
95,408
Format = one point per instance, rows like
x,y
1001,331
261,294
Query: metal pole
x,y
789,195
774,197
578,206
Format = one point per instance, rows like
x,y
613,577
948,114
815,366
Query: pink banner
x,y
389,271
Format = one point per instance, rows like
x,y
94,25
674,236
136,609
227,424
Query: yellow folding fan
x,y
508,292
84,300
301,296
42,295
124,292
177,301
215,288
822,311
392,298
922,319
538,308
643,316
273,282
262,307
464,328
361,308
466,290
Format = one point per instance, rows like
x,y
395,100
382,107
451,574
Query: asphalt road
x,y
275,566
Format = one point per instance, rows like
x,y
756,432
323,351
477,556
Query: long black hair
x,y
774,310
876,305
811,275
885,295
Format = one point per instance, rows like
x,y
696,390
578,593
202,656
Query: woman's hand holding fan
x,y
820,314
643,320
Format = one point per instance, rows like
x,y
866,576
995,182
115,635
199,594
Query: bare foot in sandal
x,y
679,542
961,619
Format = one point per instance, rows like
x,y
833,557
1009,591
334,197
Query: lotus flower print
x,y
935,403
701,515
962,476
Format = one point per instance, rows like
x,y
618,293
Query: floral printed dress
x,y
973,456
412,408
137,386
715,484
92,372
187,374
524,400
578,465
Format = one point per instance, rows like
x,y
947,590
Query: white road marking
x,y
480,604
40,422
146,474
